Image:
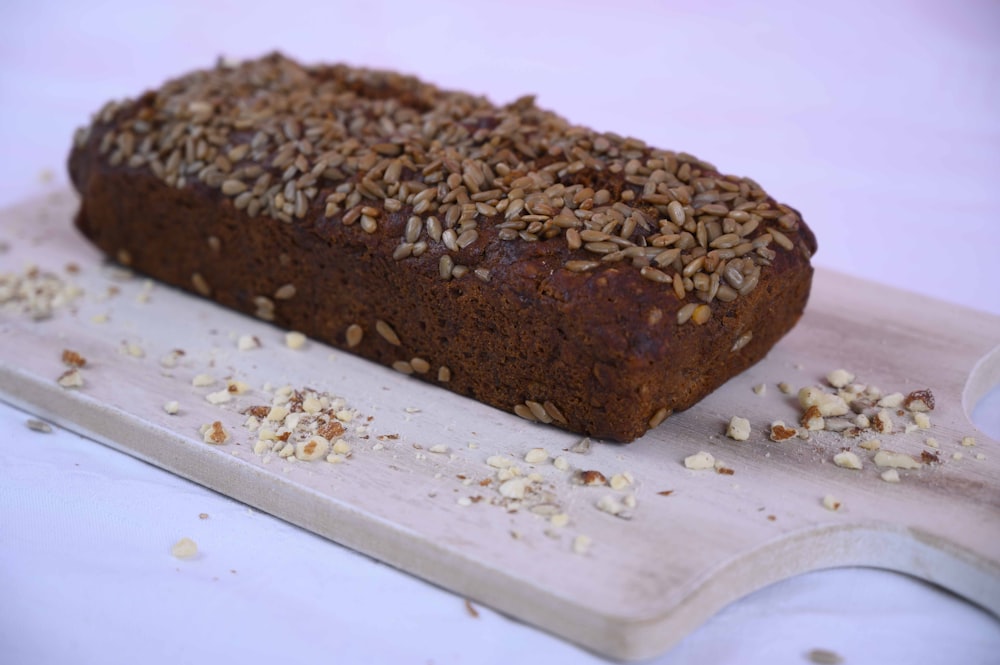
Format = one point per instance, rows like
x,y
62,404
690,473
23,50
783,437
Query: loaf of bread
x,y
572,277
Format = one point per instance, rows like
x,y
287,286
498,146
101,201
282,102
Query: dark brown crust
x,y
534,331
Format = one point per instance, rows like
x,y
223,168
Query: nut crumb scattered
x,y
830,503
919,401
968,441
779,432
559,520
581,447
203,516
247,343
887,458
172,407
202,380
847,460
738,429
185,548
980,456
760,389
536,456
620,481
871,444
71,358
581,544
922,420
499,461
890,476
71,378
891,401
786,388
514,488
839,378
439,448
561,463
957,456
931,442
214,433
699,461
295,340
472,611
592,477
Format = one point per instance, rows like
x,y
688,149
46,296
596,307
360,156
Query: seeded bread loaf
x,y
572,277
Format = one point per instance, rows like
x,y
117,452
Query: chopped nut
x,y
619,481
922,420
185,548
700,460
73,359
862,421
71,378
882,422
559,520
439,448
931,442
172,407
499,461
847,460
779,432
824,657
295,340
785,388
202,380
812,420
514,488
890,476
581,544
760,389
968,441
831,503
341,447
214,433
536,456
871,444
839,378
886,458
561,463
592,478
247,342
828,404
980,456
581,447
611,505
219,397
314,448
919,400
891,401
739,429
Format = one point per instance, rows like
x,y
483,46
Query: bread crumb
x,y
295,340
847,460
185,548
699,461
536,456
581,544
830,503
172,407
839,378
968,441
247,343
890,476
738,429
886,458
202,380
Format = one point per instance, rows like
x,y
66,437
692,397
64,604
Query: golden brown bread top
x,y
452,181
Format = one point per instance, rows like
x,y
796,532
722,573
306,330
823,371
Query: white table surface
x,y
879,121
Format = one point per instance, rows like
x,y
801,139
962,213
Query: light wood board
x,y
644,582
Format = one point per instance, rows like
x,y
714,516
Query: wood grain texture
x,y
644,582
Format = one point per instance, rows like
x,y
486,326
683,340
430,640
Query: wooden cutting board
x,y
693,542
